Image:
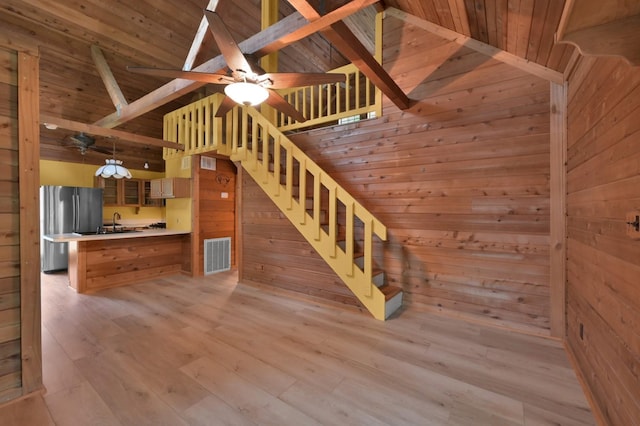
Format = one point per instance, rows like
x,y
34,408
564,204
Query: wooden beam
x,y
312,27
178,87
288,30
349,45
498,54
558,209
108,79
112,133
28,159
198,39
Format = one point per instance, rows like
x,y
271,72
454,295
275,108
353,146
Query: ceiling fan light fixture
x,y
113,168
245,93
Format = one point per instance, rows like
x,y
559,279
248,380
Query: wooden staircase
x,y
339,228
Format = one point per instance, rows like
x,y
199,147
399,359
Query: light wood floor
x,y
211,352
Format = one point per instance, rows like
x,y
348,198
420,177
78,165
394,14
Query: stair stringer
x,y
243,145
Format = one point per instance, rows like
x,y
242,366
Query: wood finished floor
x,y
208,351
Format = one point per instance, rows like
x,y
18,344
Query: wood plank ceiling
x,y
159,33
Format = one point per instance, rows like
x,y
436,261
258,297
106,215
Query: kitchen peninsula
x,y
100,261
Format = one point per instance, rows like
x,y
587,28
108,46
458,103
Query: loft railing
x,y
328,103
193,125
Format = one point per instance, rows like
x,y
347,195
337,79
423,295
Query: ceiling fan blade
x,y
226,106
279,103
213,78
228,47
101,150
283,80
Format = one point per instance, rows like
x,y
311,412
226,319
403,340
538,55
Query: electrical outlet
x,y
633,225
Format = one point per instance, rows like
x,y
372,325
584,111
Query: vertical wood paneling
x,y
461,180
603,297
216,215
10,373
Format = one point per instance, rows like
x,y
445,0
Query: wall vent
x,y
186,163
217,255
207,163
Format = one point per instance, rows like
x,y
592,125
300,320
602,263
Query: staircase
x,y
339,228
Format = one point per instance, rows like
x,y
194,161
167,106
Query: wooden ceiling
x,y
159,33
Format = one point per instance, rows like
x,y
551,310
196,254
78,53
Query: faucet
x,y
114,220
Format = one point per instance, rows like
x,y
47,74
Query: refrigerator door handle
x,y
76,212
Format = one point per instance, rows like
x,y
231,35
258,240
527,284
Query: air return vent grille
x,y
217,255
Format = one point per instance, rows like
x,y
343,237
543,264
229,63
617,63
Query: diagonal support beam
x,y
92,129
349,45
288,30
118,99
198,39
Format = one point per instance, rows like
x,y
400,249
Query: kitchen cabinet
x,y
120,192
170,188
147,199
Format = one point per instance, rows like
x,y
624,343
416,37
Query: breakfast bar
x,y
100,261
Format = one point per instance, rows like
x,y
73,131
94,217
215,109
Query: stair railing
x,y
276,164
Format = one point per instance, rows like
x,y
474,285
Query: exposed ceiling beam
x,y
478,46
198,38
312,27
179,87
288,30
349,45
92,129
108,79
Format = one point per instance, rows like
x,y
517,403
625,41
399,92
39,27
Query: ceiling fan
x,y
244,83
84,142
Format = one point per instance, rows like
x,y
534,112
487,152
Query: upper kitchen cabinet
x,y
121,192
170,188
147,199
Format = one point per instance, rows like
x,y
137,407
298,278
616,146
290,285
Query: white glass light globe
x,y
113,168
246,93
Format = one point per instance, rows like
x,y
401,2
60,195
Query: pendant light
x,y
113,168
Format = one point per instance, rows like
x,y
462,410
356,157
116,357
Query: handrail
x,y
192,125
274,162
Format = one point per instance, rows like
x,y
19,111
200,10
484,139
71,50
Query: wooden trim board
x,y
29,153
558,208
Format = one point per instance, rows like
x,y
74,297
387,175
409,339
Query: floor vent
x,y
217,255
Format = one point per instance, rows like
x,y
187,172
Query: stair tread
x,y
389,291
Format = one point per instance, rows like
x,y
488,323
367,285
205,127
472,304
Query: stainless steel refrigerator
x,y
66,209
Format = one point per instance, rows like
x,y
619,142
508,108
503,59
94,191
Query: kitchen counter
x,y
63,238
100,261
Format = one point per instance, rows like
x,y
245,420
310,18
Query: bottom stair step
x,y
393,299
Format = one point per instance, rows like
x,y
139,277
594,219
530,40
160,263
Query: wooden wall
x,y
20,342
216,216
10,370
603,292
461,180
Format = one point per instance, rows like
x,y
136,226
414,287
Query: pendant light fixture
x,y
113,168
